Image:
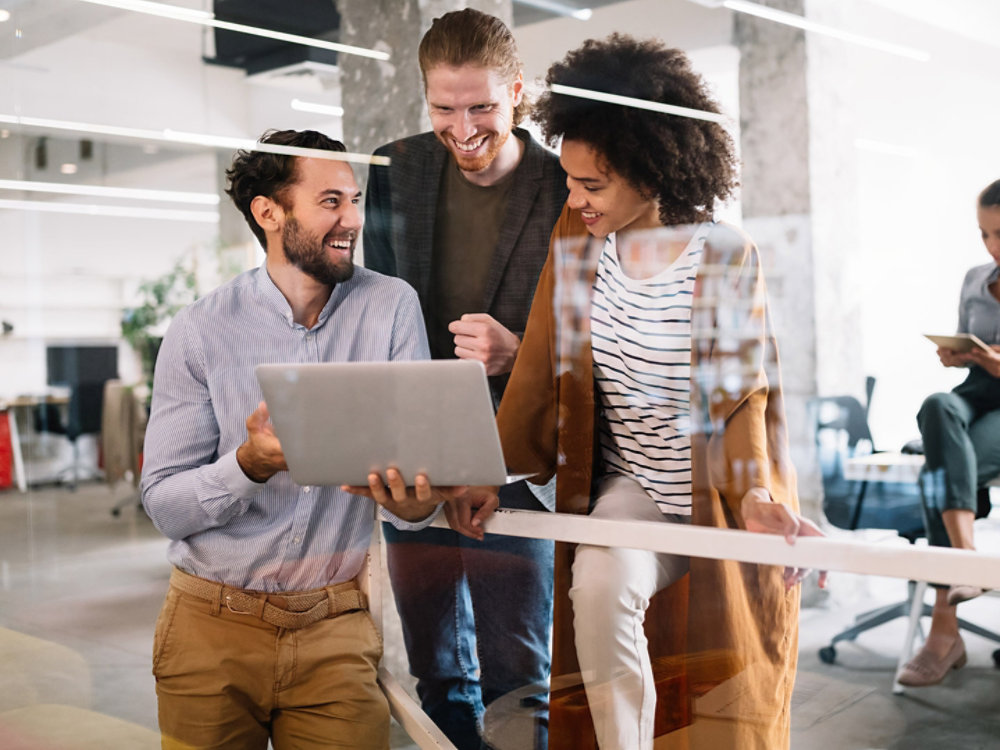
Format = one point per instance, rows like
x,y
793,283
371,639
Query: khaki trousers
x,y
226,680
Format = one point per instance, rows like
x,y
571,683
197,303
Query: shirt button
x,y
297,539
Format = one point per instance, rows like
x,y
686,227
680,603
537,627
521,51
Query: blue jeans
x,y
477,619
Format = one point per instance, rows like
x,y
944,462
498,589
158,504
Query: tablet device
x,y
959,342
339,421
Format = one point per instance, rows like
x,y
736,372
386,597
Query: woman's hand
x,y
467,512
762,515
951,358
989,359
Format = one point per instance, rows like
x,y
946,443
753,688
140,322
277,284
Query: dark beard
x,y
307,252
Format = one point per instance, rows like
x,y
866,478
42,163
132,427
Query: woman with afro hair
x,y
648,383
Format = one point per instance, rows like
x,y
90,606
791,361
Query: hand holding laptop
x,y
260,457
411,503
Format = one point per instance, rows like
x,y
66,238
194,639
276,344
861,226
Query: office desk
x,y
888,466
19,409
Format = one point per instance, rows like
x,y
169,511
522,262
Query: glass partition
x,y
865,133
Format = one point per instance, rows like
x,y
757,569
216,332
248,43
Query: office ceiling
x,y
46,21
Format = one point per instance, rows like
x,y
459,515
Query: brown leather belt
x,y
291,611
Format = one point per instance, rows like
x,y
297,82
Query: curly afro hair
x,y
687,164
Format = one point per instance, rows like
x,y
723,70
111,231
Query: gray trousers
x,y
961,435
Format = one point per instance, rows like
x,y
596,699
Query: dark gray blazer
x,y
401,205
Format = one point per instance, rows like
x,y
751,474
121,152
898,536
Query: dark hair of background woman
x,y
686,163
990,197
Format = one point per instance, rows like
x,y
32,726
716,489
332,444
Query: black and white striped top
x,y
641,339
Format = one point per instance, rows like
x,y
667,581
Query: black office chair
x,y
84,370
841,432
81,416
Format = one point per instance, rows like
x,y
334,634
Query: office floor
x,y
80,590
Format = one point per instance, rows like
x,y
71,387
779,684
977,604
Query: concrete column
x,y
774,146
382,100
797,190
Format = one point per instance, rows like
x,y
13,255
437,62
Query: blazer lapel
x,y
527,183
419,206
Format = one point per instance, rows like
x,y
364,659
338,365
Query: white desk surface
x,y
884,467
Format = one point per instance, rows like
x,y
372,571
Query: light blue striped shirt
x,y
275,536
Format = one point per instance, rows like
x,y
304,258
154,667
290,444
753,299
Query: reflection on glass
x,y
877,256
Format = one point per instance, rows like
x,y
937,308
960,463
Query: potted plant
x,y
162,297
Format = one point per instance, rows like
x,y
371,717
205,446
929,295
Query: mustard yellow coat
x,y
731,626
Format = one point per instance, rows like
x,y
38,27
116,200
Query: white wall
x,y
65,278
916,198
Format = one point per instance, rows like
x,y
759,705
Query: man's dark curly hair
x,y
685,163
256,173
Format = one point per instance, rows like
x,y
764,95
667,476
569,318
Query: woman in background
x,y
961,436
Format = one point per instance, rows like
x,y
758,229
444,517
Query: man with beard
x,y
264,634
464,214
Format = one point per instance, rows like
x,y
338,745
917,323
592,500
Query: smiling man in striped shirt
x,y
264,633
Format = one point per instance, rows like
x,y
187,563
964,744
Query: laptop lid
x,y
338,421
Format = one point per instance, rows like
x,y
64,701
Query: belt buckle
x,y
229,606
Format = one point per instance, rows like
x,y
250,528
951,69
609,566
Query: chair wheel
x,y
996,658
828,654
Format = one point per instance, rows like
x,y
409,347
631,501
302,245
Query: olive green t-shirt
x,y
466,230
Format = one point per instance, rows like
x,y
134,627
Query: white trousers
x,y
610,593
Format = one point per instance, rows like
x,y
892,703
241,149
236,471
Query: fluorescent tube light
x,y
128,212
881,147
4,15
316,108
100,191
560,9
204,18
192,139
790,19
628,101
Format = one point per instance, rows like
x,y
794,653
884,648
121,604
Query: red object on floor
x,y
6,453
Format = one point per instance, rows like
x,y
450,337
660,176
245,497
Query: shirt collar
x,y
273,299
994,275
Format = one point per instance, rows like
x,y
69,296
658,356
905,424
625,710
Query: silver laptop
x,y
339,421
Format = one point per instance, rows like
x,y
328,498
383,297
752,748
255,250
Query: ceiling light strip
x,y
192,139
628,101
317,109
560,9
174,13
790,19
101,191
127,212
882,147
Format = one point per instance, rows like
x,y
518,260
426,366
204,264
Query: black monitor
x,y
84,369
73,365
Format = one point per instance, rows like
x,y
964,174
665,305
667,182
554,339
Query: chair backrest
x,y
841,431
